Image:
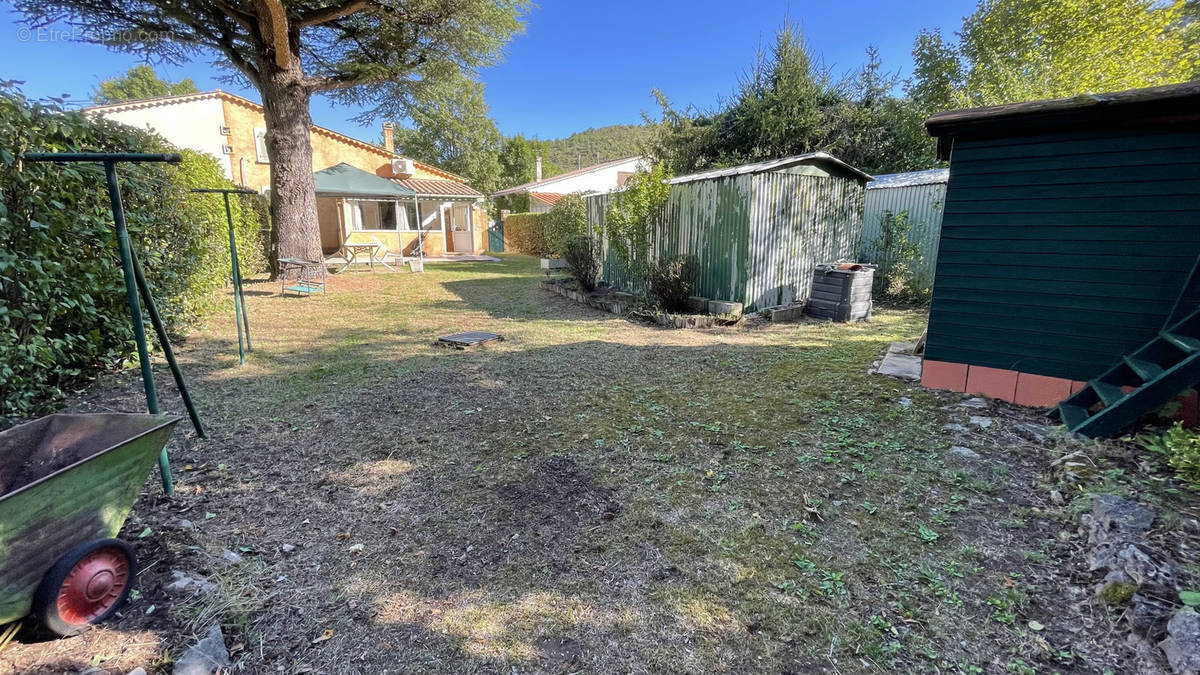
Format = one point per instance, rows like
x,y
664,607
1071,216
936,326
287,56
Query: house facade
x,y
598,178
233,130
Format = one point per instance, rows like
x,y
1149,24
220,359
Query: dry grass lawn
x,y
591,495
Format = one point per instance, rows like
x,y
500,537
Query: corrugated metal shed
x,y
757,230
922,194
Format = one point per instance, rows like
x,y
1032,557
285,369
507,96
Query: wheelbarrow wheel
x,y
86,586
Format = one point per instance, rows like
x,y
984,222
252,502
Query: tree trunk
x,y
293,194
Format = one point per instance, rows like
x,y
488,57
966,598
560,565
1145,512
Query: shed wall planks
x,y
1060,253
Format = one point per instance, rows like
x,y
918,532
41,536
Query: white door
x,y
461,224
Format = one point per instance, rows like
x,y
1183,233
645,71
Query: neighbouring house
x,y
1069,243
757,231
233,130
545,193
919,194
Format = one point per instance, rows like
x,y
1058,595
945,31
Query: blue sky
x,y
579,63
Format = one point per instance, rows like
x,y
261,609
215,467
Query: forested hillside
x,y
596,145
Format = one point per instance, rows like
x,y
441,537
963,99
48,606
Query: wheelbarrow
x,y
67,484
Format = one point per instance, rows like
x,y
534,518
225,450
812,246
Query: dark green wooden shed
x,y
1070,234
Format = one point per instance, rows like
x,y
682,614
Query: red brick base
x,y
1028,389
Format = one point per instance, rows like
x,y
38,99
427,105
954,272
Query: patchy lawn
x,y
595,495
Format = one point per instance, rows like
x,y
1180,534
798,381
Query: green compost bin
x,y
65,481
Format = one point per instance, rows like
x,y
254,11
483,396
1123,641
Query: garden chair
x,y
381,254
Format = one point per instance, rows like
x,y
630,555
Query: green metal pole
x,y
135,312
238,310
160,329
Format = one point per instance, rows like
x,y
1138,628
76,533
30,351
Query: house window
x,y
260,146
460,216
369,214
408,215
431,216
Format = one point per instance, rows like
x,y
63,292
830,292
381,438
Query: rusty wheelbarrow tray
x,y
67,484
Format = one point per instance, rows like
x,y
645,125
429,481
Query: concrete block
x,y
724,307
788,313
697,303
553,263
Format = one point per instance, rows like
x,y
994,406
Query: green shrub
x,y
671,280
567,219
898,259
631,217
63,315
514,203
528,233
583,259
1181,448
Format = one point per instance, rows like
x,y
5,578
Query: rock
x,y
93,671
905,401
981,421
1038,433
976,402
1149,612
1142,568
183,583
964,452
956,428
230,557
288,549
185,524
1115,523
207,657
137,671
1056,498
1182,644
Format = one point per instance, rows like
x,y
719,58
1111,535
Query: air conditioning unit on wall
x,y
403,168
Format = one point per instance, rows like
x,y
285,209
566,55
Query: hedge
x,y
63,315
546,234
528,233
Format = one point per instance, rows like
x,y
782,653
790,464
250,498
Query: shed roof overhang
x,y
343,180
822,159
1173,103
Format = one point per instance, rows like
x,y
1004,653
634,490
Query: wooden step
x,y
1108,393
1144,369
1187,344
1072,415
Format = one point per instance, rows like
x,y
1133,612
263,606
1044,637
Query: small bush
x,y
898,257
1181,448
583,259
567,219
671,280
528,233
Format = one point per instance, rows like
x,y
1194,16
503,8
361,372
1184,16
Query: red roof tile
x,y
547,198
438,188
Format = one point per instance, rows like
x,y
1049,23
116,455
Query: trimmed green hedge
x,y
546,234
63,315
528,233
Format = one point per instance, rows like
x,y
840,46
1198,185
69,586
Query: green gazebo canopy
x,y
344,180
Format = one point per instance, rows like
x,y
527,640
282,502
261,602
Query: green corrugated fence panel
x,y
924,204
756,237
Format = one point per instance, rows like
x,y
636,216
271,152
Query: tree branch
x,y
272,13
317,17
